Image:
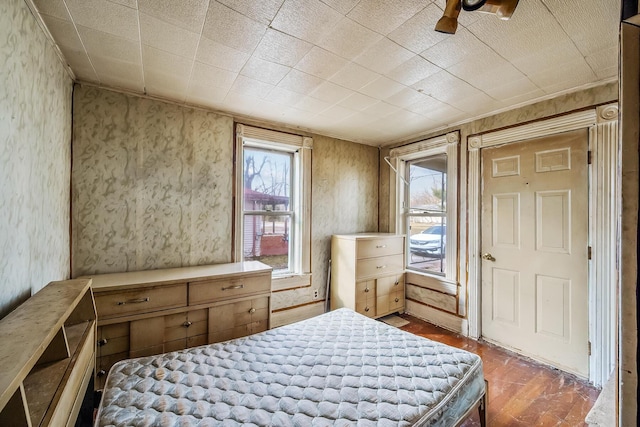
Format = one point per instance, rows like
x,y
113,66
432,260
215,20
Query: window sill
x,y
290,281
431,281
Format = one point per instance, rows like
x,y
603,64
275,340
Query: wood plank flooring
x,y
521,391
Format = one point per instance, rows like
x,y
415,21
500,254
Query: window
x,y
426,205
272,225
426,216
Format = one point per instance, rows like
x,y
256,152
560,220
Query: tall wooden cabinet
x,y
367,273
150,312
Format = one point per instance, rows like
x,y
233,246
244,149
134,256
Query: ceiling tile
x,y
358,101
601,33
165,85
547,57
509,90
382,88
168,37
456,49
405,97
444,86
307,20
564,76
476,104
427,105
232,29
342,6
262,11
530,28
337,112
412,71
312,105
383,56
166,63
118,74
264,71
206,75
604,63
385,16
80,64
55,8
133,4
227,58
282,48
380,109
206,95
64,32
98,43
417,34
300,82
248,86
349,39
331,92
486,71
240,103
187,14
320,63
354,76
112,18
283,96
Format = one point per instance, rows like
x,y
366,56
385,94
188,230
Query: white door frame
x,y
602,123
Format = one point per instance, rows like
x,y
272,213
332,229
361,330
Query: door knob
x,y
488,257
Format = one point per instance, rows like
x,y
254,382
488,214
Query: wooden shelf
x,y
48,355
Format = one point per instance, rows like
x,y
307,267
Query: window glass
x,y
267,207
427,213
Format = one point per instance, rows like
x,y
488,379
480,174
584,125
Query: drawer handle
x,y
187,324
397,283
233,287
366,309
101,373
102,342
134,301
253,310
397,299
381,266
366,290
381,246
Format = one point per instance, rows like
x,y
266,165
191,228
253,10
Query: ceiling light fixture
x,y
449,21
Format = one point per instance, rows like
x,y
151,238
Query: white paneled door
x,y
534,249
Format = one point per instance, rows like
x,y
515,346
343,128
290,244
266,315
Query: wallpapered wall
x,y
152,186
35,130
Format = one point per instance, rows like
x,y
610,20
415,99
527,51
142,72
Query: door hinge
x,y
589,348
589,157
589,252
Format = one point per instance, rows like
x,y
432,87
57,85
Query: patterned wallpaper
x,y
151,184
152,188
35,130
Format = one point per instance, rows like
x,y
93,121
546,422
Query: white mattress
x,y
340,368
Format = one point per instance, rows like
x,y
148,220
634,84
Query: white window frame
x,y
300,232
399,157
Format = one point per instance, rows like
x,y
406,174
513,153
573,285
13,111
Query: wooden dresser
x,y
150,312
47,356
367,273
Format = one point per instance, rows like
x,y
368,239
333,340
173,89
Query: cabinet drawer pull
x,y
233,287
397,283
366,290
397,299
381,246
366,309
134,301
187,324
101,373
102,342
381,266
253,310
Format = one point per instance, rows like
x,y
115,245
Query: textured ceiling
x,y
371,71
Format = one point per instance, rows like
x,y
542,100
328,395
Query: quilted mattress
x,y
340,368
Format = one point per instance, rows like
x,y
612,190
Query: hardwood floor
x,y
521,391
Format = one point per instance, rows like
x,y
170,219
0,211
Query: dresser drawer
x,y
121,303
388,284
215,290
370,248
379,266
366,307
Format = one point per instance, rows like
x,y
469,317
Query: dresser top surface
x,y
103,282
367,235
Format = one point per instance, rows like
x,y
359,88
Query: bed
x,y
337,369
